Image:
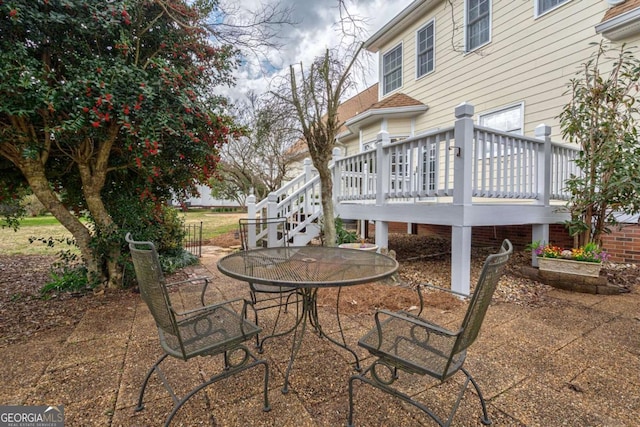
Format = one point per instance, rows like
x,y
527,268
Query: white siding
x,y
371,132
399,127
529,59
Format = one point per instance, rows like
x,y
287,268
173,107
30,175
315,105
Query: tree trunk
x,y
93,173
33,171
105,224
326,191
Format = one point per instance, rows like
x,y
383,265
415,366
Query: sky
x,y
314,32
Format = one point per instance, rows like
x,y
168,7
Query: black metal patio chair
x,y
206,330
402,341
264,297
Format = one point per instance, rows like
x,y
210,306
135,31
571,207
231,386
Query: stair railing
x,y
298,201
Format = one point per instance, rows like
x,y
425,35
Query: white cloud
x,y
314,32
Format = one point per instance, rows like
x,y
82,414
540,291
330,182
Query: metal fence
x,y
192,241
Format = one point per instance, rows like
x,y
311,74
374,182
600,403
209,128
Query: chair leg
x,y
350,418
228,371
274,334
406,398
286,306
204,290
140,406
254,301
485,417
225,374
255,317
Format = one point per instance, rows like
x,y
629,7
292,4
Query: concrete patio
x,y
573,360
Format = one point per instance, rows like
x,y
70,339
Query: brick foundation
x,y
623,245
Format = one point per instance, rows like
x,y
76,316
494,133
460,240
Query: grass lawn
x,y
214,223
17,242
12,242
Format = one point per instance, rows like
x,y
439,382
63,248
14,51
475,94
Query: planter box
x,y
359,246
569,266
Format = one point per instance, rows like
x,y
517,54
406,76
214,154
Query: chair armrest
x,y
415,320
438,288
395,281
209,307
193,280
228,308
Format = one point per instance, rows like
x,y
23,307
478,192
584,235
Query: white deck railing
x,y
500,165
462,162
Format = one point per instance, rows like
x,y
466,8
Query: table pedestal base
x,y
310,314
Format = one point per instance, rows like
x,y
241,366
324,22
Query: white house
x,y
206,200
465,132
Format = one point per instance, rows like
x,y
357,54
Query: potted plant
x,y
349,240
584,261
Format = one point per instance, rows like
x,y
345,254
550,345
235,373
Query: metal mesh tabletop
x,y
307,266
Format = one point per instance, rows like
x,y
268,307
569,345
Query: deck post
x,y
383,173
308,170
461,259
251,214
251,205
543,179
382,234
540,232
337,182
462,192
463,154
272,212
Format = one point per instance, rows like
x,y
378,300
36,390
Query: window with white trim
x,y
429,168
543,6
478,23
425,49
508,119
392,70
400,161
398,171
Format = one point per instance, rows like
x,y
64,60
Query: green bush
x,y
172,263
68,279
343,235
170,231
163,227
68,274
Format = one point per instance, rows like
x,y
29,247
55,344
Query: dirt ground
x,y
422,259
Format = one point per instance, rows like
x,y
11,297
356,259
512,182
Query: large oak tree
x,y
100,99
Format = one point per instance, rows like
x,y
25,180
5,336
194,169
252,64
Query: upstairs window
x,y
478,23
543,6
392,70
425,49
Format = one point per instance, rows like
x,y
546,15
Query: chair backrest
x,y
267,232
152,284
491,272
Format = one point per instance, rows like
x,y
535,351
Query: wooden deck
x,y
461,176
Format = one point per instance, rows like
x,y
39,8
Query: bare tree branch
x,y
253,32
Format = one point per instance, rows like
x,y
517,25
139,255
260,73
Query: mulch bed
x,y
24,313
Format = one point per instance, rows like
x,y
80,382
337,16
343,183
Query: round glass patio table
x,y
308,268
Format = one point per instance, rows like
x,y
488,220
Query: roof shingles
x,y
396,100
617,10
